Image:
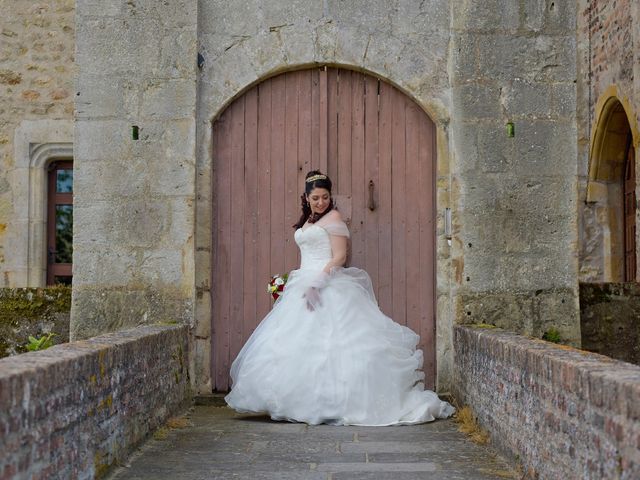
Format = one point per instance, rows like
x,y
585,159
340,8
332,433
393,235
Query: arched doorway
x,y
612,185
379,148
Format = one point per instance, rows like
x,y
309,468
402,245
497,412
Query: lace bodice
x,y
314,242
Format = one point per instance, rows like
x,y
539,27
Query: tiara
x,y
316,177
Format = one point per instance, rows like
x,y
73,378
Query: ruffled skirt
x,y
343,363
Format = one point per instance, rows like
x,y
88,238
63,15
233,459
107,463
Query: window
x,y
60,223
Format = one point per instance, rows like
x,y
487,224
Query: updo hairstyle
x,y
313,179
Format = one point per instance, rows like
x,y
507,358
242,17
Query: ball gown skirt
x,y
343,363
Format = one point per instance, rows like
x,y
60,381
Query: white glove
x,y
312,294
320,280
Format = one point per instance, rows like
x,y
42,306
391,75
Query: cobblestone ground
x,y
220,444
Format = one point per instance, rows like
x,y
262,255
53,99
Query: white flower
x,y
279,281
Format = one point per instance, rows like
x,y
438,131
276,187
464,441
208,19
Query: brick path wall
x,y
74,410
565,413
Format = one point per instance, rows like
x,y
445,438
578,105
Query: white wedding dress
x,y
344,363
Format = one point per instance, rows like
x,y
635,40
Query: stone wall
x,y
74,410
36,83
608,54
33,311
610,320
134,214
514,225
563,412
143,247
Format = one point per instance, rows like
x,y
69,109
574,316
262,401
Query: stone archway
x,y
611,190
377,145
234,65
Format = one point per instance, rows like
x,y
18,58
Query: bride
x,y
326,353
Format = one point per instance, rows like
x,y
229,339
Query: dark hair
x,y
322,181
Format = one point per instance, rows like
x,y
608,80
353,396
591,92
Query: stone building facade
x,y
502,82
608,117
37,66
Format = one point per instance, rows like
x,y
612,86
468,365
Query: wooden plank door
x,y
630,216
379,149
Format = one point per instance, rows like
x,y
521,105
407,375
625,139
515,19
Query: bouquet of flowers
x,y
276,286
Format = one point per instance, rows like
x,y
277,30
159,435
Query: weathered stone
x,y
10,78
610,320
30,95
482,16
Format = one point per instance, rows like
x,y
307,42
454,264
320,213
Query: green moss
x,y
101,468
552,335
19,304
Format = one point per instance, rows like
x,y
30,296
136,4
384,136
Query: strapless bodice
x,y
315,247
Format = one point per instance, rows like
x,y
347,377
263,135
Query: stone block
x,y
545,147
117,179
161,267
326,42
523,99
118,45
203,316
103,263
179,53
182,228
204,230
485,16
99,8
549,16
538,58
476,101
116,308
168,99
100,139
203,273
237,17
232,73
463,61
354,46
100,96
141,221
430,16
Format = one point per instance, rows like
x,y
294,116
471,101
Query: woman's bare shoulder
x,y
333,216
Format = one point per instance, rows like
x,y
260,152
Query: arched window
x,y
60,222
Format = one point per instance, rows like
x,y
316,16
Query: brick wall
x,y
74,410
565,413
37,45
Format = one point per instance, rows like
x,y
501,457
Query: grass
x,y
172,423
467,424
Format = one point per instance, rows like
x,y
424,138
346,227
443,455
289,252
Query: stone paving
x,y
220,444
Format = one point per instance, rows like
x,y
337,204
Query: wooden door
x,y
377,146
630,216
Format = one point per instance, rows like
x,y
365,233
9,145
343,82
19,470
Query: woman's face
x,y
319,199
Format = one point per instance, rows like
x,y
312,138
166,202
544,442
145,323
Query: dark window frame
x,y
54,199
